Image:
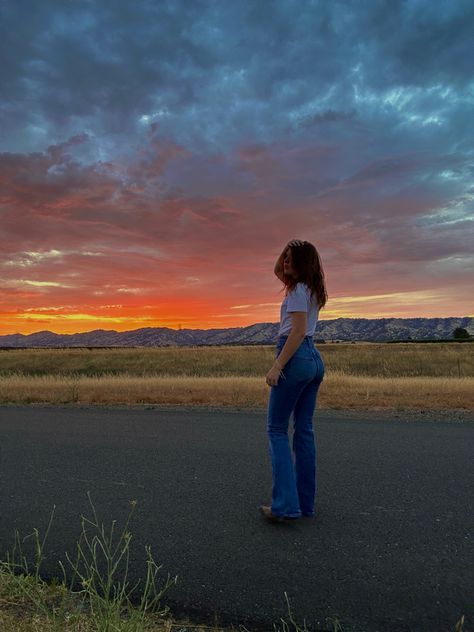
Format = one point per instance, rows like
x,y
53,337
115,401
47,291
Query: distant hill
x,y
343,329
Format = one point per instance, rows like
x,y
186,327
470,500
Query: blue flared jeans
x,y
294,483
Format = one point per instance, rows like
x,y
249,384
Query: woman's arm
x,y
279,265
295,338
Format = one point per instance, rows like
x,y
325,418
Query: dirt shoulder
x,y
376,413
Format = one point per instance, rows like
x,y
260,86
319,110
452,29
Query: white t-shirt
x,y
299,300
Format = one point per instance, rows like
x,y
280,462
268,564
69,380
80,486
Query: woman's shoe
x,y
267,512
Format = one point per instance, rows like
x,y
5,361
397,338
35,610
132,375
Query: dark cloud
x,y
212,73
328,116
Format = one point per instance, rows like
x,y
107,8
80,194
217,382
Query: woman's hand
x,y
295,242
273,375
281,258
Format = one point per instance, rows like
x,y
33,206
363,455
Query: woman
x,y
295,378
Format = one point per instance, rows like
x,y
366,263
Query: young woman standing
x,y
295,378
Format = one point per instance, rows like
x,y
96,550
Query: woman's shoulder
x,y
302,286
299,288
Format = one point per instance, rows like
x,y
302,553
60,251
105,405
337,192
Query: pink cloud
x,y
121,227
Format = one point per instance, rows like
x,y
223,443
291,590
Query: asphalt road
x,y
391,547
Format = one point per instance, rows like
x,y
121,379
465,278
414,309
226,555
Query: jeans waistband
x,y
285,336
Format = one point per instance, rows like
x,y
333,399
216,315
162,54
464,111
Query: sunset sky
x,y
156,157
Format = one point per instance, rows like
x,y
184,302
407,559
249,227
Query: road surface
x,y
391,547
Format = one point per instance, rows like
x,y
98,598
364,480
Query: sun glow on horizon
x,y
63,318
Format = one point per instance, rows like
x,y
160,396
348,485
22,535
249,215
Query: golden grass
x,y
337,391
449,359
378,375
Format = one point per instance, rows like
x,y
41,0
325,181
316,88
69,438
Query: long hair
x,y
307,265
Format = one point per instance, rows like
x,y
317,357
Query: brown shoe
x,y
267,512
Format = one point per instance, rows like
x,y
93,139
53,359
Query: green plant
x,y
102,594
337,626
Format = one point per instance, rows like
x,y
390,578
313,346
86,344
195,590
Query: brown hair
x,y
307,265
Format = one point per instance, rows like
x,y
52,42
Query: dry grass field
x,y
375,375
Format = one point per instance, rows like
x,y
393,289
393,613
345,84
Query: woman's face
x,y
287,263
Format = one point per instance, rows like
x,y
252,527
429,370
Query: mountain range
x,y
338,329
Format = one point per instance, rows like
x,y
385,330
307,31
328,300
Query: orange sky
x,y
84,247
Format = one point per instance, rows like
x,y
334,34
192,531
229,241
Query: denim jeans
x,y
294,484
